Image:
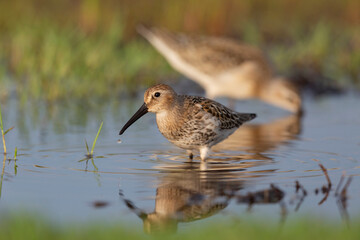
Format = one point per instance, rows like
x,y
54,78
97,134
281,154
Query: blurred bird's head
x,y
283,93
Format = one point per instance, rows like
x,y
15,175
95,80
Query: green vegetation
x,y
15,159
26,227
95,140
66,50
2,174
52,63
15,154
3,132
90,154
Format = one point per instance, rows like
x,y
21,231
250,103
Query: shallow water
x,y
158,184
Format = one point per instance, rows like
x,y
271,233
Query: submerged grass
x,y
15,154
90,154
15,159
3,132
95,140
27,227
2,174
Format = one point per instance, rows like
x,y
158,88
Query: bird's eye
x,y
157,94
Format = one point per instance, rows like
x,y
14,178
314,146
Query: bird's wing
x,y
227,118
210,55
215,55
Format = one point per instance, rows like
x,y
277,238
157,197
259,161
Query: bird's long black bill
x,y
141,112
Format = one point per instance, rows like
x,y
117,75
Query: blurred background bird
x,y
224,67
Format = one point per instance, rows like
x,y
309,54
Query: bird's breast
x,y
169,125
188,133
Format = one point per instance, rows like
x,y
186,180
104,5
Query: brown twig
x,y
344,190
342,201
326,175
325,197
339,184
298,186
325,189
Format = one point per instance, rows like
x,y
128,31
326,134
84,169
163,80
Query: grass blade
x,y
97,135
87,147
1,122
81,160
2,174
8,130
15,165
95,167
15,154
2,132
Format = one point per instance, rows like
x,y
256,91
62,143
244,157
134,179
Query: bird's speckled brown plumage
x,y
189,122
224,67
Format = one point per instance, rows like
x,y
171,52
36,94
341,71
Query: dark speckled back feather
x,y
189,122
228,118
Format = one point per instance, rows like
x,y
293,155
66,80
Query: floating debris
x,y
119,141
99,204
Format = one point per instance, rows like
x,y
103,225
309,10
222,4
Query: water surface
x,y
159,187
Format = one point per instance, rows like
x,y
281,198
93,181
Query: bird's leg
x,y
204,153
203,166
191,156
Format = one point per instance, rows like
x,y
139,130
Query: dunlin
x,y
224,67
189,122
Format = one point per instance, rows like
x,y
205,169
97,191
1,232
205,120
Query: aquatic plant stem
x,y
97,135
15,154
2,132
87,148
2,173
3,139
15,158
90,154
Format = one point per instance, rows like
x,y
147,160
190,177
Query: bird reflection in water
x,y
258,139
187,194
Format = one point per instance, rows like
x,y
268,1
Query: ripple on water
x,y
156,178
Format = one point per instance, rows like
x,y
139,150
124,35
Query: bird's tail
x,y
244,117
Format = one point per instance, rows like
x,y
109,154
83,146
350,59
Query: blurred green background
x,y
64,50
